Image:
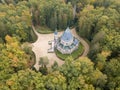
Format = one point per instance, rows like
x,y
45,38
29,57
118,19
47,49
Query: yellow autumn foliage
x,y
106,53
9,82
8,39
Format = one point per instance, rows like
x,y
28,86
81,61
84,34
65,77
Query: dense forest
x,y
97,21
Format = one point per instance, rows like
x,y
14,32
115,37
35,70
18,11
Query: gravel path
x,y
84,43
41,46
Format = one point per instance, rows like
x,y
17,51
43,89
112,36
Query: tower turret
x,y
55,35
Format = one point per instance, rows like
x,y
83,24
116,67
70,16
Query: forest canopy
x,y
97,21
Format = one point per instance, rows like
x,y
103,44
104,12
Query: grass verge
x,y
74,54
43,30
46,30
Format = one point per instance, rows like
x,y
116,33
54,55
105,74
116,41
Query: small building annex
x,y
66,43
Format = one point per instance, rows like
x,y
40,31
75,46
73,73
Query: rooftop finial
x,y
55,31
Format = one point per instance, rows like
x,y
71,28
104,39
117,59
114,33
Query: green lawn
x,y
33,36
43,30
75,54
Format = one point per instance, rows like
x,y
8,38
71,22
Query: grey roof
x,y
67,35
76,41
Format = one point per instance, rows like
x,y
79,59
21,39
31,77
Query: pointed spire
x,y
67,29
55,31
67,35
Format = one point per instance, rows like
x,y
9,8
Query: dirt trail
x,y
84,43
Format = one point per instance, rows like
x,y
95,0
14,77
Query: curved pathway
x,y
84,43
41,46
